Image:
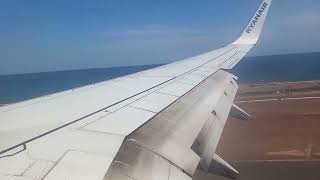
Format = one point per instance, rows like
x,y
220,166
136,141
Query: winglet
x,y
252,32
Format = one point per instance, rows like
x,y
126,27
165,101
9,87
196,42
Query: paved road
x,y
266,100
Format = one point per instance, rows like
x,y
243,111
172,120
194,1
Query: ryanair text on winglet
x,y
256,18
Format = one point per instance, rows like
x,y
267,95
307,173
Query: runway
x,y
290,170
282,140
281,99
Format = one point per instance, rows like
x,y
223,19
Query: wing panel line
x,y
72,122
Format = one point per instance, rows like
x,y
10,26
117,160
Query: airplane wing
x,y
161,123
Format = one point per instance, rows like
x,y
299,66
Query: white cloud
x,y
157,30
154,44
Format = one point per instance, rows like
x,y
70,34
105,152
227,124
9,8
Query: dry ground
x,y
282,140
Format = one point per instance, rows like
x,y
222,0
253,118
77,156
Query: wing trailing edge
x,y
147,122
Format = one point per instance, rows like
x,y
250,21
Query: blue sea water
x,y
279,68
15,88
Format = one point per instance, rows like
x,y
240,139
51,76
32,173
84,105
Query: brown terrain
x,y
282,140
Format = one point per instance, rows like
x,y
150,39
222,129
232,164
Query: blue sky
x,y
40,35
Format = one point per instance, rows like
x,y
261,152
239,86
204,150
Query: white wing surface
x,y
161,122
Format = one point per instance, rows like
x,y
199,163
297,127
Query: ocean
x,y
263,69
279,68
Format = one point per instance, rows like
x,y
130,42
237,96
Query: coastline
x,y
282,140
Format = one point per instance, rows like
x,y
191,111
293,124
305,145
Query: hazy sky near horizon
x,y
40,35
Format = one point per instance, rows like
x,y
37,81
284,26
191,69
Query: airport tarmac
x,y
283,170
282,140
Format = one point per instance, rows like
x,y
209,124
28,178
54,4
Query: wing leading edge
x,y
81,133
